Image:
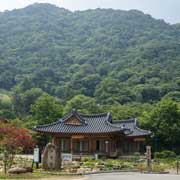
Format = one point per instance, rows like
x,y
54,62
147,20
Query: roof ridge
x,y
112,125
121,128
93,115
73,113
125,120
142,130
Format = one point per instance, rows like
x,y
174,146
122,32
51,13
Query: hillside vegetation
x,y
112,55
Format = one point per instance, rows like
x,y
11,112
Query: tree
x,y
164,122
46,109
147,93
23,100
111,91
6,107
5,102
82,103
175,95
12,140
127,111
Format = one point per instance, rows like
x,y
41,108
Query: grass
x,y
31,176
22,176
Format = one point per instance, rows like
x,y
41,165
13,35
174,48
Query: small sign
x,y
139,139
66,157
77,137
36,156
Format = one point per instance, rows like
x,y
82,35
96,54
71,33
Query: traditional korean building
x,y
81,134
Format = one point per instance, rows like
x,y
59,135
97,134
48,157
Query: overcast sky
x,y
168,10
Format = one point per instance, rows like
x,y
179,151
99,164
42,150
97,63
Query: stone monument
x,y
51,159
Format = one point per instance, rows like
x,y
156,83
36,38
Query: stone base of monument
x,y
18,170
70,170
84,170
70,167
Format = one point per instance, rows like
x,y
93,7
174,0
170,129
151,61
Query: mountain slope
x,y
112,55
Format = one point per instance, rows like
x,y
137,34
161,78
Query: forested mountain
x,y
113,56
103,60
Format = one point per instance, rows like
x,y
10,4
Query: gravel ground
x,y
133,176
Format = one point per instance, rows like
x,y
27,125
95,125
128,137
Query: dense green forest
x,y
125,62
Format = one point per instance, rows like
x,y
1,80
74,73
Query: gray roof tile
x,y
92,124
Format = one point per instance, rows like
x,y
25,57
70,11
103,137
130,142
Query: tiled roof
x,y
91,124
132,125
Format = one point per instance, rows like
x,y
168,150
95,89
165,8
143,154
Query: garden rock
x,y
29,169
81,171
96,170
17,170
88,170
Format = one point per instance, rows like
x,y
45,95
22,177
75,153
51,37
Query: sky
x,y
169,10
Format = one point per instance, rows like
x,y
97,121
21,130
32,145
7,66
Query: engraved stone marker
x,y
51,157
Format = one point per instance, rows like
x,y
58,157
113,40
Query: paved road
x,y
132,176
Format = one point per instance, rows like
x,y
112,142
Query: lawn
x,y
34,176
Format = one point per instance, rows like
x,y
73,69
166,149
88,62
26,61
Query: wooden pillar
x,y
54,140
71,145
119,145
116,141
133,147
110,145
62,145
138,146
81,146
90,145
107,142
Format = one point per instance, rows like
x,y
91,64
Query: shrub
x,y
157,155
86,159
136,156
158,168
165,154
178,157
127,165
142,167
89,164
169,154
